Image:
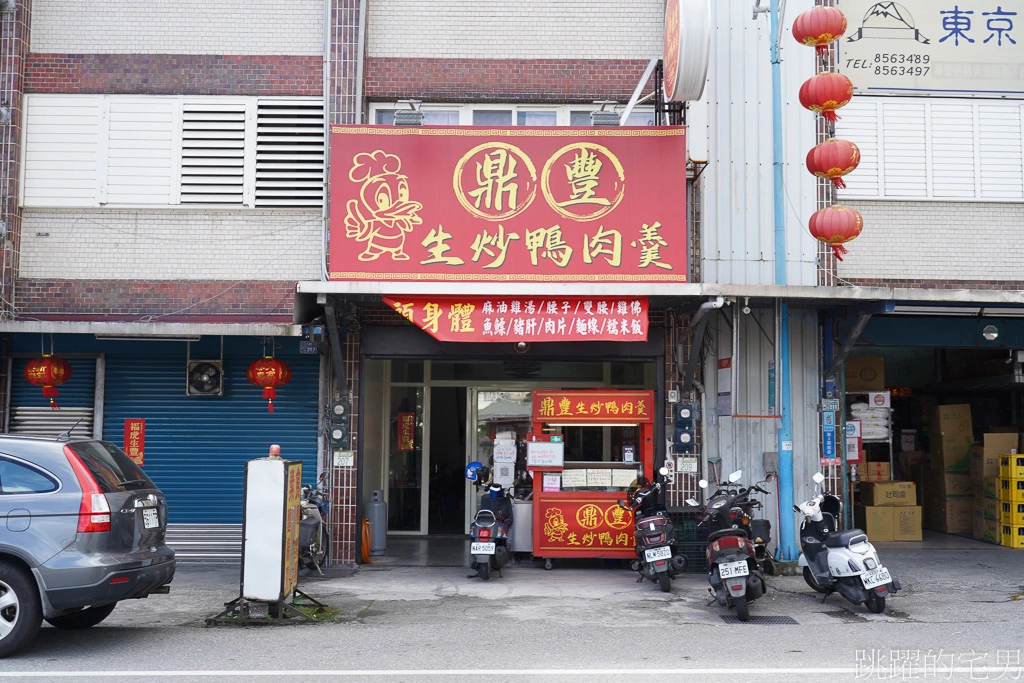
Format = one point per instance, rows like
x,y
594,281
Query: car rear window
x,y
113,470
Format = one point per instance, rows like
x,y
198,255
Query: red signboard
x,y
583,524
135,439
406,431
590,405
518,204
529,319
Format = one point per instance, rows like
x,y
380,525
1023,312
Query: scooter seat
x,y
841,539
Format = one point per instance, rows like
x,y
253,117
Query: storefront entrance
x,y
439,416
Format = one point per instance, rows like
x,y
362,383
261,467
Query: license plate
x,y
662,553
876,577
150,518
481,549
731,569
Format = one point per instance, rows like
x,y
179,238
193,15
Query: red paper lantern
x,y
833,159
819,26
49,373
825,93
269,373
835,226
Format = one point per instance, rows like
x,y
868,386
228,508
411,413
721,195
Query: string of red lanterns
x,y
823,94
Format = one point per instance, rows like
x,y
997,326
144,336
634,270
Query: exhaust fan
x,y
205,378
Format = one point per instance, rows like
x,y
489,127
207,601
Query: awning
x,y
128,330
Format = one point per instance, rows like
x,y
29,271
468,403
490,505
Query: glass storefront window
x,y
405,459
516,370
410,371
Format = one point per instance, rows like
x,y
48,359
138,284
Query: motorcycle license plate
x,y
876,577
731,569
481,549
150,518
662,553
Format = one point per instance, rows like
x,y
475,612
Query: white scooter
x,y
841,562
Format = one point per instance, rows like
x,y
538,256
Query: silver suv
x,y
81,527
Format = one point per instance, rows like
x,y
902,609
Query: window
x,y
112,469
133,150
507,114
16,477
935,149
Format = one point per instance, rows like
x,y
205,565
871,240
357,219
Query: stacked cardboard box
x,y
985,458
888,511
1011,495
948,499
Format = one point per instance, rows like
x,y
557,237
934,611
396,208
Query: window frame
x,y
42,471
562,111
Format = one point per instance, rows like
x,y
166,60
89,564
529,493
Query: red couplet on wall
x,y
135,439
517,204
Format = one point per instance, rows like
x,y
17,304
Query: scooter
x,y
841,562
489,531
314,541
657,558
735,575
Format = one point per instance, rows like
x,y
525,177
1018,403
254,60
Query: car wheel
x,y
20,613
83,618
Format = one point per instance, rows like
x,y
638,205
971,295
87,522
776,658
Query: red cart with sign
x,y
575,503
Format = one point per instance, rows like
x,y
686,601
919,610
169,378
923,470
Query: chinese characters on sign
x,y
508,204
135,439
585,525
406,431
563,407
924,46
290,575
530,319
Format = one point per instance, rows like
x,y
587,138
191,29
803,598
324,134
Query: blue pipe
x,y
787,550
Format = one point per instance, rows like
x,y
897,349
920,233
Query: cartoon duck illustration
x,y
383,214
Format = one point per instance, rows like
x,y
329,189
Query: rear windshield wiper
x,y
134,484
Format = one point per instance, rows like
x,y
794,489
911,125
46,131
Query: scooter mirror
x,y
663,471
703,483
692,503
818,477
735,476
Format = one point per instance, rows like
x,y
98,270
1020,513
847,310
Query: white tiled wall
x,y
230,27
525,29
937,241
178,245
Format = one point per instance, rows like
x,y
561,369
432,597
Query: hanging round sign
x,y
687,48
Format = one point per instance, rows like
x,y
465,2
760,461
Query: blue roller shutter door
x,y
31,413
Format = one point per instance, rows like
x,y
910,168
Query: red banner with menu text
x,y
135,439
580,406
516,204
528,319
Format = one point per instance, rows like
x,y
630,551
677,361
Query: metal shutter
x,y
196,446
30,410
289,153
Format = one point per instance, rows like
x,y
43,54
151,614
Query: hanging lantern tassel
x,y
51,393
270,394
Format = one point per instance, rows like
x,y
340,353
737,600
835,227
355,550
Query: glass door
x,y
407,493
497,414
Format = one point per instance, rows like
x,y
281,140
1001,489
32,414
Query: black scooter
x,y
657,557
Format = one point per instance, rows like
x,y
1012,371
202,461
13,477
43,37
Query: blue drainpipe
x,y
787,550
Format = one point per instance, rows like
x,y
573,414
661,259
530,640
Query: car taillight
x,y
484,532
94,512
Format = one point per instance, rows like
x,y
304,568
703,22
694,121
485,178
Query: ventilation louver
x,y
205,378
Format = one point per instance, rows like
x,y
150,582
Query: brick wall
x,y
150,74
476,80
944,245
169,245
526,29
253,27
141,301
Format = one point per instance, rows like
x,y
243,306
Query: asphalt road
x,y
959,611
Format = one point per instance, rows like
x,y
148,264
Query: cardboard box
x,y
946,484
989,509
875,471
951,453
952,420
888,493
877,522
865,373
950,515
987,488
906,523
985,456
986,530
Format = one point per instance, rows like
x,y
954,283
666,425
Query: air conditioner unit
x,y
205,378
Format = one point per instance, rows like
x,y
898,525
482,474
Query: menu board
x,y
623,478
545,453
599,478
574,479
